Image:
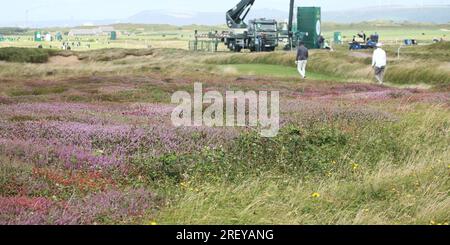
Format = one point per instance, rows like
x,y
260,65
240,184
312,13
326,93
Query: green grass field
x,y
270,71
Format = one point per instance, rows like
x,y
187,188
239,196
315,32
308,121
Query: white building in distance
x,y
99,31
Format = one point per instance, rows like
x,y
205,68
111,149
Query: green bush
x,y
12,31
168,167
25,55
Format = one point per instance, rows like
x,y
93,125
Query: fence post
x,y
398,51
196,41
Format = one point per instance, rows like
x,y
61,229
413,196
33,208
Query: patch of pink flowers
x,y
113,204
95,144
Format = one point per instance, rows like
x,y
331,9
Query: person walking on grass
x,y
379,62
302,59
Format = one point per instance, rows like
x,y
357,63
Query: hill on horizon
x,y
427,14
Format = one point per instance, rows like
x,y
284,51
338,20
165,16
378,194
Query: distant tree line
x,y
13,31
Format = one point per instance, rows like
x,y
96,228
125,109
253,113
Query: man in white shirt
x,y
379,62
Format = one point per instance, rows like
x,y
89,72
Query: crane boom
x,y
291,17
290,23
236,16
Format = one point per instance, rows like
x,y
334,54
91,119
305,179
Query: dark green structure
x,y
337,38
309,26
113,35
59,36
38,36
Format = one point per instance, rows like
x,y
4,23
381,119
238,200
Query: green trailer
x,y
309,26
113,35
38,36
59,36
2,38
337,38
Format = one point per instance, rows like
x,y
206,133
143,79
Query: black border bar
x,y
225,234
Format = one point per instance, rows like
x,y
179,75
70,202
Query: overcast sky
x,y
43,10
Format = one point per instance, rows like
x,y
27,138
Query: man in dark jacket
x,y
321,42
302,59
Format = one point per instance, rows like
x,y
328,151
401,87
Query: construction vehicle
x,y
258,35
265,34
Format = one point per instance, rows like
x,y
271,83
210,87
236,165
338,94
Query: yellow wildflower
x,y
315,195
184,184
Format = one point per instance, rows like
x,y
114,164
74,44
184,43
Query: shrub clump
x,y
25,55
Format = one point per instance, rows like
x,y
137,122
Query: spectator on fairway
x,y
379,62
302,59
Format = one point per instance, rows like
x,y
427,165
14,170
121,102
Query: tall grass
x,y
417,66
426,72
343,63
397,174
